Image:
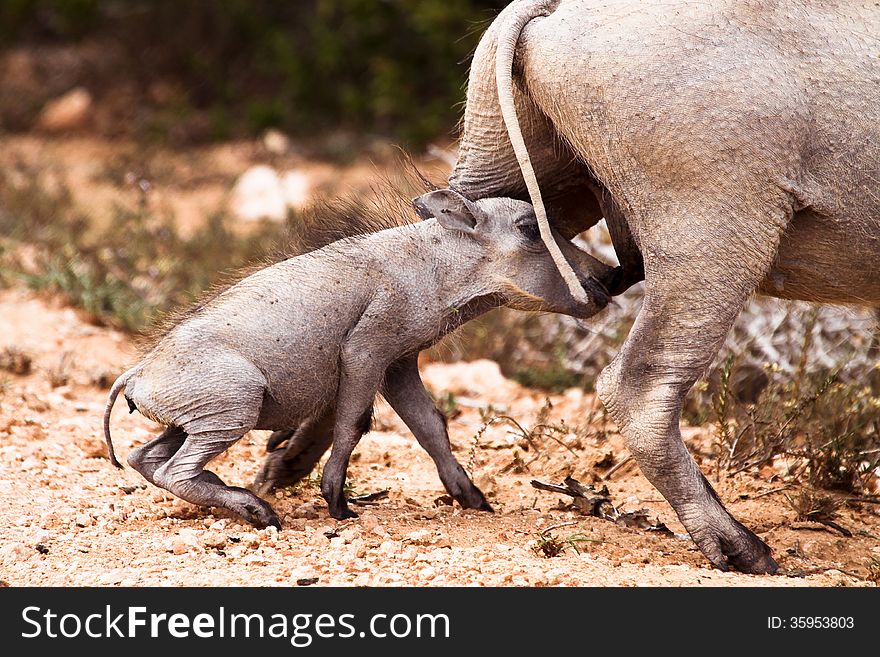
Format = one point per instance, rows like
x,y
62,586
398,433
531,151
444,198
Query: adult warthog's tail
x,y
508,37
114,393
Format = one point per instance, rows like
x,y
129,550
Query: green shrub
x,y
394,69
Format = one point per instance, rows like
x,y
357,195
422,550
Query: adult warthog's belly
x,y
827,260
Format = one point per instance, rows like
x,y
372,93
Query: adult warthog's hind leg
x,y
697,282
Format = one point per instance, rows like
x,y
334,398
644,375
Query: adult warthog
x,y
731,147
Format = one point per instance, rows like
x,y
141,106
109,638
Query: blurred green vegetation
x,y
129,275
390,68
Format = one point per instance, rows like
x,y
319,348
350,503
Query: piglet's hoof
x,y
254,510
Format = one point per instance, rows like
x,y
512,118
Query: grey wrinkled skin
x,y
310,341
732,147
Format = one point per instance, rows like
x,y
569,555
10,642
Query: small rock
x,y
348,535
337,542
420,537
442,541
68,112
276,142
15,552
178,546
83,520
306,511
189,536
213,539
254,559
302,572
487,484
258,194
359,548
296,189
250,539
389,547
369,522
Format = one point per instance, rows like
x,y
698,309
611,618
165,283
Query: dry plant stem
x,y
617,467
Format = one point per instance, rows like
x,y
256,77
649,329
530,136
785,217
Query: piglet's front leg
x,y
406,393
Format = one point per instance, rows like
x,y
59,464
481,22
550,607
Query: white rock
x,y
258,194
307,511
477,378
213,539
296,189
250,539
14,552
359,548
303,572
189,536
420,537
67,112
348,535
83,520
276,142
369,522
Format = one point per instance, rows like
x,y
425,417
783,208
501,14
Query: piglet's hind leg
x,y
184,475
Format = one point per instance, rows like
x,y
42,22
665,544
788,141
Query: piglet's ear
x,y
452,210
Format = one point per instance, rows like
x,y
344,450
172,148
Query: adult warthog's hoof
x,y
740,549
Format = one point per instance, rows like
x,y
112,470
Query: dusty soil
x,y
67,517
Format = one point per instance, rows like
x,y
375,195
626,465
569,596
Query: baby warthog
x,y
310,341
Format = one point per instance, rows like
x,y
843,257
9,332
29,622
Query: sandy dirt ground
x,y
67,517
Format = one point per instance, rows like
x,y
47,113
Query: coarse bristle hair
x,y
325,221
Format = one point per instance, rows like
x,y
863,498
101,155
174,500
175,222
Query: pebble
x,y
179,546
306,511
420,537
442,541
83,520
348,535
16,552
369,522
67,112
213,539
359,548
189,536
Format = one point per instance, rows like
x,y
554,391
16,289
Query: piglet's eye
x,y
530,231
